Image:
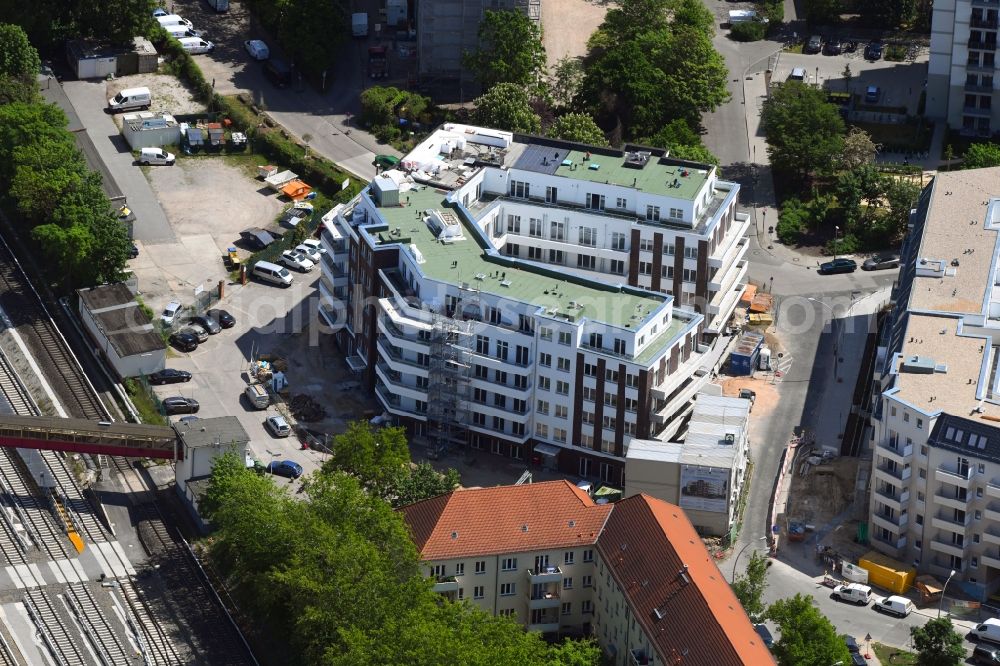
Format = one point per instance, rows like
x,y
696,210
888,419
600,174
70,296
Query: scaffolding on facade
x,y
448,380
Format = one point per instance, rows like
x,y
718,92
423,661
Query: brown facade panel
x,y
701,278
599,406
578,400
678,269
620,415
657,260
645,404
633,259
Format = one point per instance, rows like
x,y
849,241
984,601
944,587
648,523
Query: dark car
x,y
179,405
206,322
881,261
874,51
765,635
133,251
225,319
833,47
852,644
857,659
184,341
288,468
278,72
814,45
840,265
986,654
169,376
256,238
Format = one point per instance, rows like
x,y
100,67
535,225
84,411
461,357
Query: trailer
x,y
278,180
743,360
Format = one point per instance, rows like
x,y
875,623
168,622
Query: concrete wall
x,y
152,138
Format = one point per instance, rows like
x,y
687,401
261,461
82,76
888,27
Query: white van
x,y
258,396
798,74
987,631
273,273
855,593
898,606
174,19
196,45
130,98
156,157
181,31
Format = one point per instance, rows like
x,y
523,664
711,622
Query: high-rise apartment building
x,y
534,297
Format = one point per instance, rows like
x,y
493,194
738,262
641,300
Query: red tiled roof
x,y
647,543
505,519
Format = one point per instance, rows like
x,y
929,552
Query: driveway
x,y
298,108
89,99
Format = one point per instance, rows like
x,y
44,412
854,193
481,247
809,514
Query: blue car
x,y
288,468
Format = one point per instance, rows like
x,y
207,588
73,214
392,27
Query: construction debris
x,y
306,408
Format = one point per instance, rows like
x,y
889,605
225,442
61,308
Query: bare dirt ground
x,y
208,201
169,94
567,25
767,393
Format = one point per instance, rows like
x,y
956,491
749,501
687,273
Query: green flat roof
x,y
542,286
653,178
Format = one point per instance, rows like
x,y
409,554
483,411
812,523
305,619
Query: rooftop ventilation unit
x,y
444,225
637,159
918,365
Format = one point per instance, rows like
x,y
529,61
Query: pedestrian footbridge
x,y
83,436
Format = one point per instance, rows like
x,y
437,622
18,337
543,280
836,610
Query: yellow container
x,y
887,573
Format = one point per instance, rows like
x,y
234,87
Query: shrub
x,y
750,31
792,222
774,12
846,244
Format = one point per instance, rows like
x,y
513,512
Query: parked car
x,y
814,44
133,251
278,426
309,252
748,394
288,468
314,244
874,51
180,405
197,331
765,635
296,260
854,593
872,94
206,322
278,71
852,644
986,654
881,261
833,46
840,265
989,630
160,11
894,605
184,341
156,157
225,319
858,659
196,45
170,312
257,49
169,376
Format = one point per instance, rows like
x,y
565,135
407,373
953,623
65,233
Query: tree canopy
x,y
507,106
981,155
807,637
510,50
310,31
18,58
683,142
577,127
749,587
336,581
49,23
938,644
805,133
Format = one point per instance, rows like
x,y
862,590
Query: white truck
x,y
359,24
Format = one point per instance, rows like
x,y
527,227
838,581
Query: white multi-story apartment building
x,y
634,574
533,297
935,492
962,77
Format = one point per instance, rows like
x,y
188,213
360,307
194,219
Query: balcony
x,y
894,500
992,535
895,523
893,472
638,658
983,44
446,584
988,23
951,501
989,561
993,490
549,626
992,512
947,548
986,3
546,574
893,450
890,546
545,598
977,111
945,520
955,476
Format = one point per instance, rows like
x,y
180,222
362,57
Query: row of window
x,y
587,236
510,564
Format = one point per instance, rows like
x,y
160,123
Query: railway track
x,y
99,631
55,634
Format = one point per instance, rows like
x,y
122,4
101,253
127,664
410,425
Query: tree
x,y
748,31
506,106
937,643
749,587
901,194
807,637
372,455
421,482
312,32
805,133
18,58
859,149
823,12
117,21
577,127
565,82
888,14
683,143
981,155
510,50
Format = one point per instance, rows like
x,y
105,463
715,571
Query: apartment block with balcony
x,y
534,297
633,574
935,491
962,73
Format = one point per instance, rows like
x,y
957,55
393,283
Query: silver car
x,y
278,426
296,260
881,261
196,331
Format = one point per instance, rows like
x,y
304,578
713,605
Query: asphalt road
x,y
89,102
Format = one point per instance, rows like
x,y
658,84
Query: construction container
x,y
743,360
887,573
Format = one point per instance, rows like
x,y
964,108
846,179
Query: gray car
x,y
881,261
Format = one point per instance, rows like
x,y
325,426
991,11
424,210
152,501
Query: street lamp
x,y
836,241
737,560
943,590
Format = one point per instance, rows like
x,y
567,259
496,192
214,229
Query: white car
x,y
257,49
169,312
160,11
196,45
156,156
314,244
296,260
278,426
310,252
